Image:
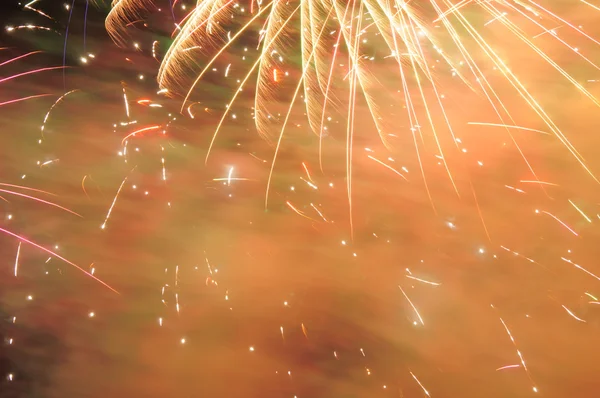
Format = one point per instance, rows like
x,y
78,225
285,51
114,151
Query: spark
x,y
17,259
307,172
291,206
318,212
23,239
590,296
387,166
580,211
31,72
573,315
40,200
412,305
83,186
512,339
142,130
14,101
508,367
110,209
420,384
126,101
559,221
539,182
507,126
423,280
580,268
229,176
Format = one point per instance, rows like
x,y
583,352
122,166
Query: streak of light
x,y
310,184
539,182
591,5
512,339
83,186
257,158
126,102
412,305
387,166
559,221
17,259
307,172
31,72
26,188
420,384
19,57
423,280
319,212
229,176
291,206
508,367
40,200
590,296
304,331
515,189
580,267
573,315
52,107
16,100
142,130
520,255
23,239
580,211
110,209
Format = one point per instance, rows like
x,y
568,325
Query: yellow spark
x,y
580,211
573,315
412,305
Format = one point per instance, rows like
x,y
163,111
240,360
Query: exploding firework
x,y
341,48
495,290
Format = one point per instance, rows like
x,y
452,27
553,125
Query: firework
x,y
292,298
331,33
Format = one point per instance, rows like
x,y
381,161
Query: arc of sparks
x,y
23,239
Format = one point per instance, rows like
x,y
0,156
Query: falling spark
x,y
581,268
423,280
103,226
387,166
509,367
83,186
291,206
307,172
22,239
13,101
509,127
420,385
17,259
412,305
580,211
59,100
142,130
512,339
573,315
126,102
539,182
40,200
559,221
229,176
